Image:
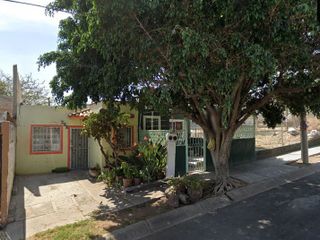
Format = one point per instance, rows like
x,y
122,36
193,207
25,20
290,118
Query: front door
x,y
78,149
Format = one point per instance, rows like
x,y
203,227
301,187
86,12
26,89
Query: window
x,y
176,125
151,122
46,139
124,137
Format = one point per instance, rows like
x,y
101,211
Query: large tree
x,y
218,61
33,91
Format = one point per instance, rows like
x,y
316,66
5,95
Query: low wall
x,y
261,154
242,150
8,140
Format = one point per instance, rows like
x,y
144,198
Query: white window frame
x,y
151,117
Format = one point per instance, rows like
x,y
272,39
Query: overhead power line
x,y
30,4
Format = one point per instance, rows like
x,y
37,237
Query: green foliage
x,y
164,52
218,62
273,114
186,182
193,182
154,159
108,176
101,125
127,169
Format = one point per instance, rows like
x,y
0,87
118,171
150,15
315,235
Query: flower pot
x,y
137,181
195,194
127,182
93,173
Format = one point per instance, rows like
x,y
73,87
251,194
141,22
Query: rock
x,y
314,134
172,197
292,131
195,194
184,198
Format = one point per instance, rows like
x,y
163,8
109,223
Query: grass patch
x,y
102,222
82,230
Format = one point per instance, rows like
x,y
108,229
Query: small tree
x,y
103,126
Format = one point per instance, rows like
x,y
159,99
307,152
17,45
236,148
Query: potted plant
x,y
95,171
194,188
136,176
119,175
127,174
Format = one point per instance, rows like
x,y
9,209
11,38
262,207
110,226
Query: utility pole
x,y
304,138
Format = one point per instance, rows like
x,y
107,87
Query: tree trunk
x,y
304,138
220,157
220,154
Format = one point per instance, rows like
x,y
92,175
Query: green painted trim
x,y
181,159
242,150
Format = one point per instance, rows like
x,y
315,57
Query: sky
x,y
26,33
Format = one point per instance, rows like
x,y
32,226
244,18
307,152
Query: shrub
x,y
154,159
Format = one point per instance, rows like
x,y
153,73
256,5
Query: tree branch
x,y
151,38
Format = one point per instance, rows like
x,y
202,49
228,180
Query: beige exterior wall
x,y
28,163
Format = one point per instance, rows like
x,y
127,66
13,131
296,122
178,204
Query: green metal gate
x,y
79,149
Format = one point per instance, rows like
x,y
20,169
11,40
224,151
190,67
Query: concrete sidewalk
x,y
261,175
41,202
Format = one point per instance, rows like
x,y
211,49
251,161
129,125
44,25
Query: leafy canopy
x,y
217,61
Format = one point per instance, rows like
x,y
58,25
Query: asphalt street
x,y
291,212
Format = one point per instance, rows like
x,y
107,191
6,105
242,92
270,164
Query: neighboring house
x,y
191,152
51,138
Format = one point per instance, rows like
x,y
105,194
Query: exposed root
x,y
224,185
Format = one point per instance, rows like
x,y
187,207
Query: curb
x,y
166,220
163,221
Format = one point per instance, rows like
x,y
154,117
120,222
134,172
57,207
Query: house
x,y
50,137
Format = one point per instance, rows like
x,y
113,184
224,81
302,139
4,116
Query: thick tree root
x,y
225,185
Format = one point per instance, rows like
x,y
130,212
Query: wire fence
x,y
286,133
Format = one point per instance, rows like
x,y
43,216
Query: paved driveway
x,y
41,202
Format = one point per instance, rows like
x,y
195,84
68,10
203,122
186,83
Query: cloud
x,y
26,32
14,15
